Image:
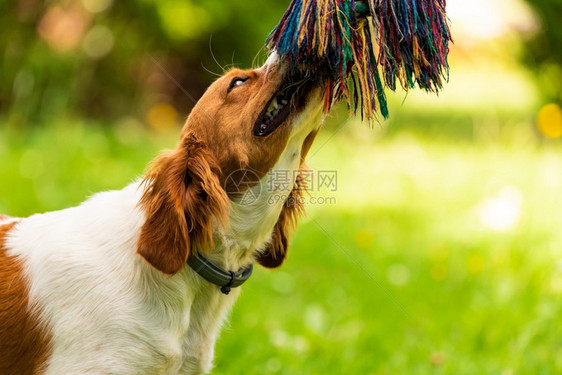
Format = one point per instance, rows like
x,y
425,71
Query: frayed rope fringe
x,y
355,46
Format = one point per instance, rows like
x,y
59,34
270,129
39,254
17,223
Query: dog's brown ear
x,y
276,251
181,200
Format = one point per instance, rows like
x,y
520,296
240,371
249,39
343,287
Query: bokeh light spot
x,y
279,338
398,274
96,6
315,318
502,212
98,42
274,364
475,264
437,359
162,117
556,284
62,29
174,14
283,282
364,238
439,272
549,120
129,131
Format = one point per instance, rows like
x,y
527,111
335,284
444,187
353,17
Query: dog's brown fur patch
x,y
24,345
182,199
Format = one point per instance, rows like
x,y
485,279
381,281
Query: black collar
x,y
216,275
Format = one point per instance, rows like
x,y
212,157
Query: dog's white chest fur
x,y
108,310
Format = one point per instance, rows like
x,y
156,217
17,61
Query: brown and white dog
x,y
103,288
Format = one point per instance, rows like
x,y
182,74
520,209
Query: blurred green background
x,y
440,252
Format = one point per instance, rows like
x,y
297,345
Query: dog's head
x,y
247,120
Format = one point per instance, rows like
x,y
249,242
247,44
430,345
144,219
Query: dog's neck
x,y
252,219
253,216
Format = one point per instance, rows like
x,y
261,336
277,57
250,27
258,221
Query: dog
x,y
139,280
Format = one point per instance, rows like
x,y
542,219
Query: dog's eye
x,y
237,82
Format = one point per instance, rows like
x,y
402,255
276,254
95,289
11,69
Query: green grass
x,y
405,274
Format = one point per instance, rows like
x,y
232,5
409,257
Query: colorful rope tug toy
x,y
349,44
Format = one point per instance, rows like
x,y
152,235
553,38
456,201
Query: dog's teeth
x,y
274,108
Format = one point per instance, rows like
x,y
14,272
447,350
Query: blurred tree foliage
x,y
108,59
544,49
97,58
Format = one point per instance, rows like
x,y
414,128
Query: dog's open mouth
x,y
290,97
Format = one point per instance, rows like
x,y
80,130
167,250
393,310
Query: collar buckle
x,y
226,280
